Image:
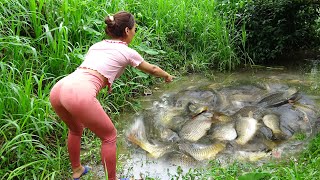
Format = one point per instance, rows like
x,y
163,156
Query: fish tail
x,y
132,138
145,145
220,147
216,149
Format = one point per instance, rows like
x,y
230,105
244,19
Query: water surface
x,y
139,164
136,162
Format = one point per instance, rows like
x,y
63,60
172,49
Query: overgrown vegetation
x,y
279,27
42,41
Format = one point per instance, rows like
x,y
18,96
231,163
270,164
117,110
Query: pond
x,y
204,103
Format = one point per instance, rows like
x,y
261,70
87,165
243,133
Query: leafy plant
x,y
277,27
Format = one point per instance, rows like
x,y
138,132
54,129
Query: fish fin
x,y
132,138
140,142
220,146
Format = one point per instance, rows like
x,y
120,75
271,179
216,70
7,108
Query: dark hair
x,y
117,23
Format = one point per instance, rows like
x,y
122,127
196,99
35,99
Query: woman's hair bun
x,y
109,20
117,23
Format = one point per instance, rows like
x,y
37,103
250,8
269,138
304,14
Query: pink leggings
x,y
74,100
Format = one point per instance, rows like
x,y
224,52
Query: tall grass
x,y
26,125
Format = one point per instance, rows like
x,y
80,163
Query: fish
x,y
246,128
237,96
266,132
280,98
137,135
221,117
168,135
247,94
256,112
243,97
306,109
181,159
172,118
202,152
223,132
257,143
272,121
289,120
271,87
201,97
251,156
222,100
196,109
196,128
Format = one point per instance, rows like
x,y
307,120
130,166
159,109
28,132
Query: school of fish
x,y
247,121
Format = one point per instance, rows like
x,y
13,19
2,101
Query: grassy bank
x,y
42,41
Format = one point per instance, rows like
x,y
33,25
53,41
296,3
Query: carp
x,y
196,128
279,98
202,152
224,132
246,128
181,159
137,135
272,121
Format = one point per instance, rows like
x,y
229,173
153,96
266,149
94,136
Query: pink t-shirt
x,y
110,58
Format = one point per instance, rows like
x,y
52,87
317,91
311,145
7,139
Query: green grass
x,y
42,41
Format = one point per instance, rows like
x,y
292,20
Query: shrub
x,y
275,27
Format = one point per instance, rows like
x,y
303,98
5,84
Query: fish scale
x,y
224,132
196,128
279,98
181,159
206,152
246,128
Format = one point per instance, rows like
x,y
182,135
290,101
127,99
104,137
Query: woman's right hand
x,y
169,78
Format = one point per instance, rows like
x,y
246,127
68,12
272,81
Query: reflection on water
x,y
169,106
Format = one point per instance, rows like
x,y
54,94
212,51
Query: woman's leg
x,y
75,131
91,114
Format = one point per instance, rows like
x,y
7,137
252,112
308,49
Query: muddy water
x,y
137,164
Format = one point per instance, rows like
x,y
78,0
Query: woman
x,y
74,97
